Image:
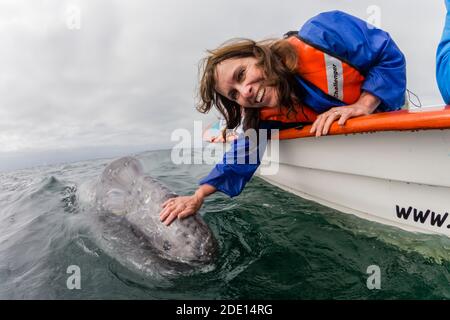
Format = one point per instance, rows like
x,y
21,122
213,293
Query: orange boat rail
x,y
386,121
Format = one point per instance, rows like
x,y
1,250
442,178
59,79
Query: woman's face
x,y
241,80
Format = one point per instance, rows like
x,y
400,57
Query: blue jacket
x,y
369,49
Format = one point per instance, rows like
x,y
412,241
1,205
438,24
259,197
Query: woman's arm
x,y
369,49
366,47
237,166
229,177
183,207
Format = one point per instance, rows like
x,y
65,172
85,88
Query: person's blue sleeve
x,y
443,59
369,49
237,167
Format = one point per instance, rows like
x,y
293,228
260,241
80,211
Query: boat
x,y
392,168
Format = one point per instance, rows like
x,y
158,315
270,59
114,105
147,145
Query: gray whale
x,y
128,202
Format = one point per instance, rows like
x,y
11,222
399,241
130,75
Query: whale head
x,y
125,192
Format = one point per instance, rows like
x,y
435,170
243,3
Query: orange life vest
x,y
301,114
330,74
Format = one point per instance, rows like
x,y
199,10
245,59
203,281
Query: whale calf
x,y
128,203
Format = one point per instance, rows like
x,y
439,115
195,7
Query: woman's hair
x,y
277,59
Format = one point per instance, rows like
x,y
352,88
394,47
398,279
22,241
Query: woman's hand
x,y
180,207
366,104
183,207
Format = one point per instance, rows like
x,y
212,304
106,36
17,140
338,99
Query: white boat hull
x,y
399,178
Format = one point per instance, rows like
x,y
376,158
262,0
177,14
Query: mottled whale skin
x,y
129,202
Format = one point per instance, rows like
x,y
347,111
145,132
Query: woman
x,y
337,65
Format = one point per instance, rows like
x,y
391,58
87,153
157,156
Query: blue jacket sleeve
x,y
369,49
237,167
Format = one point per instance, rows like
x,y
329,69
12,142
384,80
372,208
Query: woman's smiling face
x,y
242,81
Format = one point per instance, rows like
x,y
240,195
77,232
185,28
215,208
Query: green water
x,y
273,245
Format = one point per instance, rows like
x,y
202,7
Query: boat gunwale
x,y
402,120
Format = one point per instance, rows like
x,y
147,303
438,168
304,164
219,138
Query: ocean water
x,y
272,245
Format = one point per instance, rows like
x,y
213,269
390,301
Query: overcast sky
x,y
121,75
